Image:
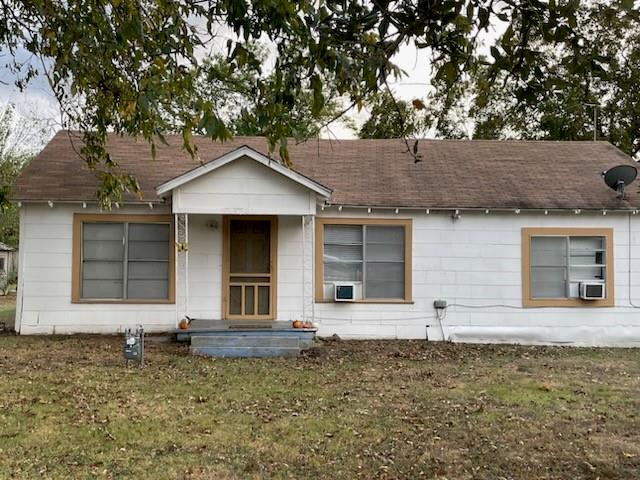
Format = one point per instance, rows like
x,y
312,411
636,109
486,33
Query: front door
x,y
249,268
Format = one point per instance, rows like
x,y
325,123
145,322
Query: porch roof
x,y
243,151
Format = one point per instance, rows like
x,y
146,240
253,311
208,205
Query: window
x,y
2,264
556,261
123,258
372,254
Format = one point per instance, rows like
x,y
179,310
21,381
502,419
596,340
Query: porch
x,y
243,231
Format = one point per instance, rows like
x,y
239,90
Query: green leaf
x,y
483,17
627,4
507,35
187,141
448,72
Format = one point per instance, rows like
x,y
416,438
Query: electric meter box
x,y
133,348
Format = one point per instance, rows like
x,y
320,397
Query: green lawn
x,y
69,409
7,310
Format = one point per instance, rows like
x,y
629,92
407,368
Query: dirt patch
x,y
69,409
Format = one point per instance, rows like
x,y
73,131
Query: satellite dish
x,y
618,177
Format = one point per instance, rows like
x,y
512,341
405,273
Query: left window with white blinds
x,y
125,261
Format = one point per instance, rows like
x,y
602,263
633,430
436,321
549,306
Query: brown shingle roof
x,y
453,173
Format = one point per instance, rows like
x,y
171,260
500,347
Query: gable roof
x,y
240,152
452,173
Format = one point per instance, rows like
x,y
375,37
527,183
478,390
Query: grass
x,y
7,309
69,409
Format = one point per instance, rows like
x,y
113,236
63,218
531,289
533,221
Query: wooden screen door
x,y
249,268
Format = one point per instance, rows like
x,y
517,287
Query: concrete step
x,y
305,337
245,352
244,341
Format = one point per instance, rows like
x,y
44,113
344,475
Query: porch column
x,y
182,246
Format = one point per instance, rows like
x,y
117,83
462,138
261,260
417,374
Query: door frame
x,y
226,274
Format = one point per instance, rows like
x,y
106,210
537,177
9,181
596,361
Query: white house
x,y
518,239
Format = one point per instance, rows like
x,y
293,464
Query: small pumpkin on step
x,y
184,323
297,324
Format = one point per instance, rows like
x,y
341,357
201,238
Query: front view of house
x,y
514,241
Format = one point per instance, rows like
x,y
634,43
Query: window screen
x,y
148,261
559,264
384,255
125,260
102,260
343,253
372,255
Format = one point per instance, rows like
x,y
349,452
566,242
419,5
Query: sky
x,y
35,105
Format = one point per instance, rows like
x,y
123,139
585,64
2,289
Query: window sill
x,y
381,301
567,303
124,302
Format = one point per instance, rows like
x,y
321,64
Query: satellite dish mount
x,y
617,178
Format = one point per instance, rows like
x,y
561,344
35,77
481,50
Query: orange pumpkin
x,y
184,324
297,324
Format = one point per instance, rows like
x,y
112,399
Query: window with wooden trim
x,y
373,254
556,262
120,258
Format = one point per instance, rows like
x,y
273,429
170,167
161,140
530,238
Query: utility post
x,y
595,119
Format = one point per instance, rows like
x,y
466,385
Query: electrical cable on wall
x,y
388,322
497,305
441,317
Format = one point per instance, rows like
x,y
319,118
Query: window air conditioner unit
x,y
591,290
344,292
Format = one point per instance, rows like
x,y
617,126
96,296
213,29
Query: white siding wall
x,y
472,262
244,187
475,261
44,295
295,279
45,279
205,269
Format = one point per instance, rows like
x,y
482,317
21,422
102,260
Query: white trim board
x,y
240,152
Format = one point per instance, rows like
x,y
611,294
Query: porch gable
x,y
243,182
